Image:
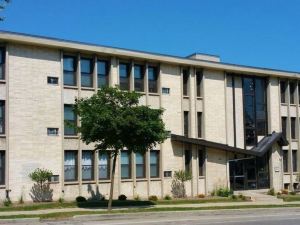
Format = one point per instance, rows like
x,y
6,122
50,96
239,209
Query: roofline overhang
x,y
66,45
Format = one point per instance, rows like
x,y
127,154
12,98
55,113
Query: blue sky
x,y
264,33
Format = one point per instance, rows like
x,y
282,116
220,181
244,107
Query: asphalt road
x,y
283,216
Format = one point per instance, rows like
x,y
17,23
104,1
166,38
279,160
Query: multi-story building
x,y
231,125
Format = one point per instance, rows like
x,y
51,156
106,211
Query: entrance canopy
x,y
262,147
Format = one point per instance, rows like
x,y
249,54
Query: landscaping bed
x,y
289,198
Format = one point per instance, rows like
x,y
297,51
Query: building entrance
x,y
249,173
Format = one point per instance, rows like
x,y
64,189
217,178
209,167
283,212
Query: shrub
x,y
222,192
41,192
278,193
201,196
7,202
284,191
167,197
122,197
293,193
234,197
137,198
61,200
153,198
271,191
80,199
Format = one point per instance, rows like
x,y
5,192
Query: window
x,y
52,131
86,66
187,159
199,77
293,127
125,165
199,124
201,161
282,91
140,165
54,179
104,165
285,161
124,76
185,77
102,73
138,78
168,173
87,165
2,63
154,163
299,93
186,123
70,120
2,167
295,166
152,79
165,90
69,70
70,166
2,117
292,92
52,80
283,125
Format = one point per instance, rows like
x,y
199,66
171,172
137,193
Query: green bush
x,y
80,199
167,197
234,197
7,202
122,197
61,200
222,192
153,198
293,193
271,191
137,198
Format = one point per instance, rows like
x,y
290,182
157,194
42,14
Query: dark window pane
x,y
70,166
154,163
52,80
2,63
87,165
124,76
187,159
140,165
70,120
285,161
186,123
248,85
282,91
293,128
104,165
295,166
125,165
199,121
152,79
2,117
201,161
292,92
69,63
199,77
283,124
86,72
138,78
185,74
2,167
102,70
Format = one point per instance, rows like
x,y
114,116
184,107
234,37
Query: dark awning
x,y
262,147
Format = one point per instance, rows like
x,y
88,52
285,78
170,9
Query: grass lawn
x,y
61,215
290,198
99,204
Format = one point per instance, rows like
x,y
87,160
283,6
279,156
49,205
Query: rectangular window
x,y
70,120
282,91
2,117
187,159
152,79
299,93
293,127
201,161
186,123
165,91
124,74
104,166
140,165
199,124
138,78
102,73
2,63
185,77
154,163
86,66
2,167
295,166
87,165
70,166
125,165
70,65
285,161
292,92
283,125
52,131
199,77
52,80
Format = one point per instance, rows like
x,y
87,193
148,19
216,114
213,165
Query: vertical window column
x,y
295,161
154,163
284,126
152,79
199,124
70,120
2,63
188,158
292,92
2,117
199,77
102,73
104,166
86,67
201,161
139,78
185,79
186,123
283,91
293,127
71,165
87,165
124,74
125,165
2,167
140,165
285,161
70,67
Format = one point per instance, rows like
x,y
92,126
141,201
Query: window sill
x,y
140,92
199,98
126,180
186,96
54,182
70,87
293,104
141,179
88,88
71,183
155,179
153,94
89,182
2,186
104,181
2,135
286,173
71,136
201,177
2,81
296,173
294,140
283,104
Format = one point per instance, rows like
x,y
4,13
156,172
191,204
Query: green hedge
x,y
290,198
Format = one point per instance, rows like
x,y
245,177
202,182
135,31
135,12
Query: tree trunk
x,y
109,207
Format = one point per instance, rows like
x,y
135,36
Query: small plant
x,y
137,198
153,198
80,199
271,191
234,197
7,202
278,193
61,200
222,192
21,200
284,191
41,191
122,197
201,196
293,193
167,197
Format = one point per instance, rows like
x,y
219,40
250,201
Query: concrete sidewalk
x,y
200,205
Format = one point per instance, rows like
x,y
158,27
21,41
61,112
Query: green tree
x,y
113,120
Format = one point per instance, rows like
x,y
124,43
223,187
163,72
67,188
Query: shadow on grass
x,y
116,203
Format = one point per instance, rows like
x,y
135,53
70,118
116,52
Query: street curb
x,y
19,220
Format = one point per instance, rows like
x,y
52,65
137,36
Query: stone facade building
x,y
230,125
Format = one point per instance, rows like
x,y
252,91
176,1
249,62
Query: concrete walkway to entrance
x,y
260,196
